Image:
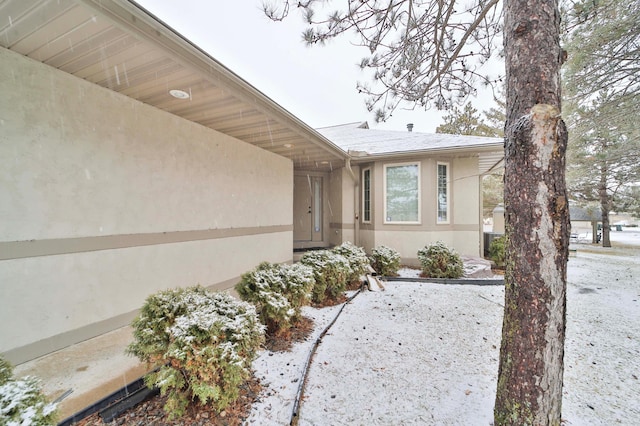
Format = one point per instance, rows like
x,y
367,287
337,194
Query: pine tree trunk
x,y
604,205
537,219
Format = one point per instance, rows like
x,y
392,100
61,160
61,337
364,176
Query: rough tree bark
x,y
537,219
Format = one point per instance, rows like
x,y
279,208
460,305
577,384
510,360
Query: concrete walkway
x,y
92,370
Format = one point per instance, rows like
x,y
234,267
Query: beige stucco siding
x,y
407,243
335,207
341,206
80,160
120,199
465,191
50,296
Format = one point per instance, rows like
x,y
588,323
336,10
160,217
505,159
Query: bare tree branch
x,y
422,52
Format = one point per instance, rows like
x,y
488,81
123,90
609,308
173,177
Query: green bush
x,y
278,292
439,261
22,401
385,260
357,258
6,371
331,271
201,343
497,250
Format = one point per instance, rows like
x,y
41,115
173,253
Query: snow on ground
x,y
405,272
416,354
422,353
281,372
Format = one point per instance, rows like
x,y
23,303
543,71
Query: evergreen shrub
x,y
385,260
201,344
498,250
22,401
439,261
278,292
331,271
357,258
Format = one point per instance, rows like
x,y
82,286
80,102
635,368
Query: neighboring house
x,y
584,223
133,162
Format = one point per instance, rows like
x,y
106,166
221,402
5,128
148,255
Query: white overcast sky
x,y
317,84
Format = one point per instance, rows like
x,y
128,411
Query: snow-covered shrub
x,y
22,402
201,342
385,260
6,371
278,292
439,261
497,250
300,280
357,258
331,271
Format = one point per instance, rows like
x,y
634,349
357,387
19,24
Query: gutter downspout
x,y
356,202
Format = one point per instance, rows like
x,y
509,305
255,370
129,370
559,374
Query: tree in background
x,y
604,160
603,85
630,200
603,40
428,53
467,122
496,115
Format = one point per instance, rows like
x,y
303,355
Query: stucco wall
x,y
407,243
105,200
335,207
465,191
341,206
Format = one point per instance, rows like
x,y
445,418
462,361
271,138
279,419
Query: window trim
x,y
447,164
364,209
384,194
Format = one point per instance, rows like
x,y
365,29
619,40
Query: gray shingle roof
x,y
358,137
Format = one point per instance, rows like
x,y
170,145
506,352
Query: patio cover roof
x,y
120,46
584,214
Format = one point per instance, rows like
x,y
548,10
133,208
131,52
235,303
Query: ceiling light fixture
x,y
179,94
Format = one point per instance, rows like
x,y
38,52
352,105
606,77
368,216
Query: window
x,y
402,193
443,193
366,195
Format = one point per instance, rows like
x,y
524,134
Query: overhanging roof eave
x,y
134,18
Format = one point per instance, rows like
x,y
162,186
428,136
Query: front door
x,y
307,209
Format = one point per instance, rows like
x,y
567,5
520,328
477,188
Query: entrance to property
x,y
307,211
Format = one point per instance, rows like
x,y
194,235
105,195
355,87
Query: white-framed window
x,y
442,193
402,193
366,195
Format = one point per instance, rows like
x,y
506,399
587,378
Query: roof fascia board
x,y
134,18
